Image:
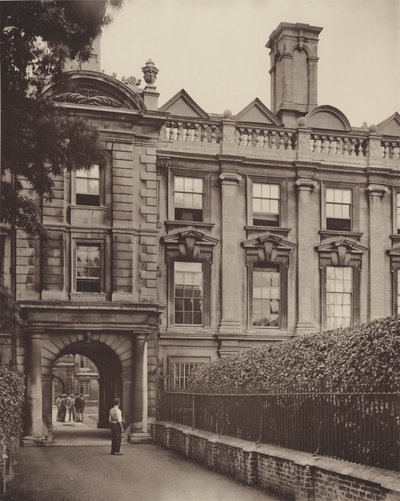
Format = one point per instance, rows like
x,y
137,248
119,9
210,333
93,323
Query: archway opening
x,y
88,372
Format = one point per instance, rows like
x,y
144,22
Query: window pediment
x,y
189,244
341,252
268,248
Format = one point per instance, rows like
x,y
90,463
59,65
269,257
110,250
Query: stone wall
x,y
292,475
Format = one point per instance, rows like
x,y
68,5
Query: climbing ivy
x,y
12,392
365,357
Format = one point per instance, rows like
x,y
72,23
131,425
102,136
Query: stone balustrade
x,y
191,132
273,138
390,149
339,145
266,138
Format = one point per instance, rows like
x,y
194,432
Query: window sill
x,y
278,230
194,224
91,297
346,233
395,237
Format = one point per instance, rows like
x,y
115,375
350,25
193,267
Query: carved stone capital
x,y
377,190
230,178
305,184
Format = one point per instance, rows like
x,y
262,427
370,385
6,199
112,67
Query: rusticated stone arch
x,y
55,345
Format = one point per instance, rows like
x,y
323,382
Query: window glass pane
x,y
187,266
94,171
257,190
266,191
257,205
274,207
346,196
338,196
179,183
198,185
330,195
275,191
197,201
81,185
93,186
179,200
188,184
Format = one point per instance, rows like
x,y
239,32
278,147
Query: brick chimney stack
x,y
294,59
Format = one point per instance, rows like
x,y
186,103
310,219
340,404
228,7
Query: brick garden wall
x,y
289,474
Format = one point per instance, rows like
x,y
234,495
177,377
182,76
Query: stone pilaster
x,y
231,279
306,273
377,272
34,391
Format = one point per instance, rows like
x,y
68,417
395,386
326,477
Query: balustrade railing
x,y
192,132
339,145
355,146
266,138
390,149
359,427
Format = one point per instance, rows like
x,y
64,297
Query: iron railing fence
x,y
359,427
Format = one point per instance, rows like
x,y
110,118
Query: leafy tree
x,y
38,139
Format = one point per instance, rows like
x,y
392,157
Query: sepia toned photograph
x,y
200,250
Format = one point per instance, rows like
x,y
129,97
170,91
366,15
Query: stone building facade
x,y
203,234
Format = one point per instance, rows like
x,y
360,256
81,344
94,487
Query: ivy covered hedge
x,y
365,357
12,393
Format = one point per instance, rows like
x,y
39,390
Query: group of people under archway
x,y
73,405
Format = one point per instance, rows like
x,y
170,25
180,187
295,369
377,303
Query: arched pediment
x,y
390,126
257,112
91,88
182,105
327,117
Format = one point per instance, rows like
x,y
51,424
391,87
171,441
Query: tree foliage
x,y
12,392
365,357
39,140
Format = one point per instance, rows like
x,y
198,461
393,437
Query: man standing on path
x,y
115,418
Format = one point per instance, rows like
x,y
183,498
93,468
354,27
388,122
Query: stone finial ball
x,y
372,128
227,114
301,122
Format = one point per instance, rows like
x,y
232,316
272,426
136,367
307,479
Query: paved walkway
x,y
79,467
145,472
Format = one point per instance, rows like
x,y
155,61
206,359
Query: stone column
x,y
127,397
47,408
377,236
34,390
230,276
306,276
140,398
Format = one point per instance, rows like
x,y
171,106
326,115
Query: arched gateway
x,y
120,339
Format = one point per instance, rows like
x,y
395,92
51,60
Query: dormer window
x,y
88,186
